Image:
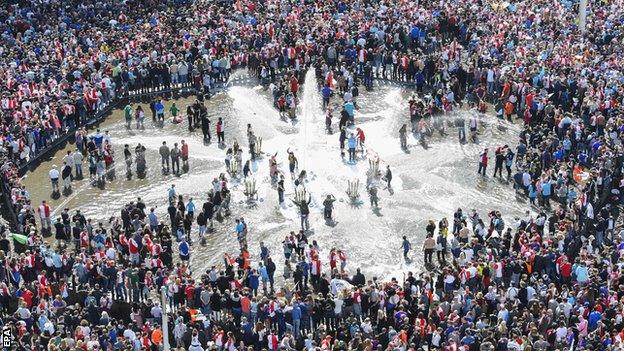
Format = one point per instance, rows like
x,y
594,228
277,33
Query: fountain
x,y
301,194
258,147
310,112
373,174
250,190
353,190
235,167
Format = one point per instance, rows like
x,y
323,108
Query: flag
x,y
338,285
22,239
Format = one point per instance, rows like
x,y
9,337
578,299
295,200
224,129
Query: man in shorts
x,y
54,178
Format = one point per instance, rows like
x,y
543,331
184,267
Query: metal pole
x,y
165,318
583,15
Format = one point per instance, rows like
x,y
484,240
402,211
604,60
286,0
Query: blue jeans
x,y
296,327
599,238
120,291
304,222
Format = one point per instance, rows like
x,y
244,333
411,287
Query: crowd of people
x,y
544,282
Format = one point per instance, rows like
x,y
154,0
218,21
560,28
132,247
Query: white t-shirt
x,y
129,334
78,158
435,339
23,313
54,174
338,306
512,292
526,179
469,254
473,271
530,293
473,122
111,253
562,332
156,311
498,269
69,160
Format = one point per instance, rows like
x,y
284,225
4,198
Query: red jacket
x,y
484,158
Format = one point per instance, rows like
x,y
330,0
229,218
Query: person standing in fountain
x,y
252,142
280,189
128,158
164,156
174,115
190,113
220,131
139,115
304,211
292,163
273,169
78,158
388,176
54,177
185,156
328,205
461,129
160,112
66,173
498,161
372,193
100,170
205,126
403,136
246,169
139,152
175,159
153,109
128,115
406,246
301,179
483,161
92,166
352,144
342,139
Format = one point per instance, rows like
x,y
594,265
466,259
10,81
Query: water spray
x,y
234,166
353,190
258,147
250,189
373,168
301,194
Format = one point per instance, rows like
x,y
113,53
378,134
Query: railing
x,y
68,136
99,117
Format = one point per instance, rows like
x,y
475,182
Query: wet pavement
x,y
428,183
